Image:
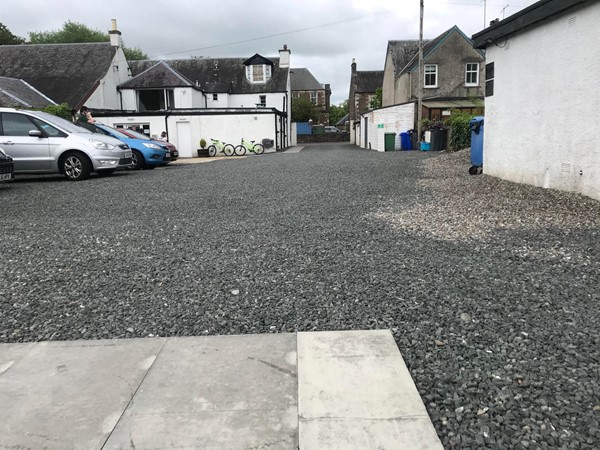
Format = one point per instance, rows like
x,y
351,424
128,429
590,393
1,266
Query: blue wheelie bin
x,y
476,125
405,141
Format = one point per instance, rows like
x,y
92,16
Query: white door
x,y
184,139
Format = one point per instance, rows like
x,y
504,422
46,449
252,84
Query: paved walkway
x,y
318,390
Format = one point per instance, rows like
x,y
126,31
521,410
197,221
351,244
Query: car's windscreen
x,y
61,123
137,135
112,132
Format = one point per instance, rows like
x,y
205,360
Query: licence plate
x,y
5,176
168,155
128,154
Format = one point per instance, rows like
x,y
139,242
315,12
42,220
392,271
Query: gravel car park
x,y
490,288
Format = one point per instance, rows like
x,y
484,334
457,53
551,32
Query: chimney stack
x,y
115,35
353,65
284,58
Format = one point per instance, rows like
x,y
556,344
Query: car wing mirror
x,y
35,133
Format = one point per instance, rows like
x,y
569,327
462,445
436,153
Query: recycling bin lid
x,y
477,119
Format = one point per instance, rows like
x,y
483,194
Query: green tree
x,y
71,32
337,112
63,110
377,101
303,110
134,54
74,32
7,38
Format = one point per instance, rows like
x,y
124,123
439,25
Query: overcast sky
x,y
323,36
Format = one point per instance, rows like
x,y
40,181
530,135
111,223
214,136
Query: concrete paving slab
x,y
354,391
69,395
216,392
10,354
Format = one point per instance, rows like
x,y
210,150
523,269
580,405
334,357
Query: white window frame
x,y
215,97
472,71
425,73
266,73
313,97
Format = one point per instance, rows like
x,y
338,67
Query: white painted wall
x,y
393,119
228,128
274,100
106,95
541,124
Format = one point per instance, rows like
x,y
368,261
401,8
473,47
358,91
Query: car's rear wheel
x,y
137,160
76,166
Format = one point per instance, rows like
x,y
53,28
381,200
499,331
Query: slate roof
x,y
402,52
212,75
432,45
67,73
526,18
302,79
18,93
160,75
367,81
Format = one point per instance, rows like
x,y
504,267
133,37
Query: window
x,y
156,99
263,100
258,73
16,124
313,97
472,74
296,95
215,97
489,79
431,75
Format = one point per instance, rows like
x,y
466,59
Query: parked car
x,y
137,134
332,129
145,154
7,171
39,142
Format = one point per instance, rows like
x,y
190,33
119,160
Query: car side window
x,y
16,124
48,129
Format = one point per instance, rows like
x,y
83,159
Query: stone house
x,y
453,74
363,89
304,84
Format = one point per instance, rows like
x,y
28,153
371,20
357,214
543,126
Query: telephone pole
x,y
421,76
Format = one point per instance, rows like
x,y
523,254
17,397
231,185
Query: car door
x,y
29,153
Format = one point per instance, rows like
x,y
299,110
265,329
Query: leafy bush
x,y
202,143
460,135
61,110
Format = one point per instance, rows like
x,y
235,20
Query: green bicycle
x,y
250,146
218,146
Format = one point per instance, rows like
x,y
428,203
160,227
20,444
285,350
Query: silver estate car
x,y
39,142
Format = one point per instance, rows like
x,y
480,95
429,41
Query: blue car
x,y
145,154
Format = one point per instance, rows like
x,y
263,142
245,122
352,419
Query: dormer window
x,y
258,73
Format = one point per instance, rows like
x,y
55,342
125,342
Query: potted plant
x,y
202,150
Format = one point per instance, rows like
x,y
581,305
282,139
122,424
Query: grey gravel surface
x,y
491,288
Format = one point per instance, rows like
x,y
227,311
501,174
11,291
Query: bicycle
x,y
250,146
218,146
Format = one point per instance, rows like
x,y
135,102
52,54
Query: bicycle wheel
x,y
212,150
240,150
228,149
259,149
